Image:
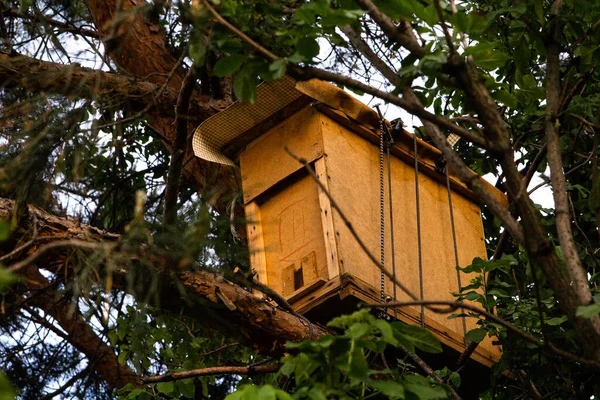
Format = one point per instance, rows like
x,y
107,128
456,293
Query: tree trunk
x,y
138,47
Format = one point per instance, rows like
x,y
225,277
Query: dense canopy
x,y
124,270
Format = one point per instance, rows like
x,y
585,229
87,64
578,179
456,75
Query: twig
x,y
82,244
220,348
454,305
63,26
236,31
429,371
447,35
233,370
349,224
26,245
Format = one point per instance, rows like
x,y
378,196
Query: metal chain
x,y
418,209
389,166
464,322
382,208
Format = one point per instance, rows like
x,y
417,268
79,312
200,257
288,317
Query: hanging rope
x,y
464,322
418,209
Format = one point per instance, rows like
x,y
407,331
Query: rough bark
x,y
197,294
80,333
37,76
138,47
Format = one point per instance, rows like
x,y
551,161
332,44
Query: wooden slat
x,y
256,243
288,278
333,263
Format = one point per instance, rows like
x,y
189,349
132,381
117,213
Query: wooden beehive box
x,y
301,248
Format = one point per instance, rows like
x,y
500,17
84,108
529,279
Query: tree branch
x,y
41,19
180,146
455,305
80,334
194,293
231,370
578,277
38,76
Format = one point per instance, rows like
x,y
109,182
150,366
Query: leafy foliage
x,y
342,366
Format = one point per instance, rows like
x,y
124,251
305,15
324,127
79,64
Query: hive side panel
x,y
265,162
294,246
353,172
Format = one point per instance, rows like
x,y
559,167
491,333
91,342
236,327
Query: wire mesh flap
x,y
223,128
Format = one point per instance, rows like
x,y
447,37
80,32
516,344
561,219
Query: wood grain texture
x,y
292,231
352,165
256,242
265,162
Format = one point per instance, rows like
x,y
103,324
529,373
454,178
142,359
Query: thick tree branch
x,y
401,35
179,147
81,335
195,293
37,76
364,48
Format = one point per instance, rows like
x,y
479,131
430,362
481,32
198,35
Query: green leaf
x,y
428,14
198,48
341,17
308,48
475,335
358,366
386,331
6,277
6,389
391,389
244,85
4,230
419,337
423,389
504,96
588,311
186,387
556,321
278,68
165,387
123,357
487,55
396,9
228,65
